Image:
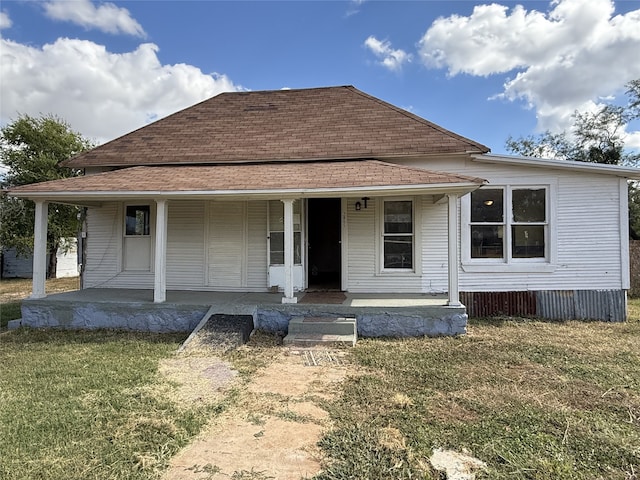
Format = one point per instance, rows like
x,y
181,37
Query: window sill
x,y
398,273
508,268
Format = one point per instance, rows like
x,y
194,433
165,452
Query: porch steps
x,y
321,331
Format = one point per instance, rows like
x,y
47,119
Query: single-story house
x,y
333,189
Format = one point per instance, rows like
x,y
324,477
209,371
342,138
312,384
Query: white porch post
x,y
454,293
40,250
288,252
160,264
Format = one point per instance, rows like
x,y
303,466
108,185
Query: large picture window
x,y
398,234
509,223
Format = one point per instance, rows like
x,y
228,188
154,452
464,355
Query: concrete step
x,y
325,331
306,340
325,325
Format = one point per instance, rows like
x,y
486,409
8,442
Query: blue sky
x,y
483,70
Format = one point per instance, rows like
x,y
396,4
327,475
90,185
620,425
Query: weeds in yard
x,y
531,399
86,405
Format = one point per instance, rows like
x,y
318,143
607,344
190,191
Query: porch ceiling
x,y
263,180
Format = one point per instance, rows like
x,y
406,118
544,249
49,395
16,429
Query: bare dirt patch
x,y
198,379
272,430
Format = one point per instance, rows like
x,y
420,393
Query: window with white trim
x,y
509,224
137,244
137,220
276,233
398,235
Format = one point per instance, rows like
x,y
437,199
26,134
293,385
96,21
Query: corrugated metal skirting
x,y
605,305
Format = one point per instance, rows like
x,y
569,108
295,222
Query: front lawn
x,y
89,405
534,400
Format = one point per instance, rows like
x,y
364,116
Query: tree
x,y
32,149
595,137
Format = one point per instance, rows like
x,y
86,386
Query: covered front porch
x,y
376,314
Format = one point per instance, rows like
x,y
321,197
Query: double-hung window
x,y
137,249
398,236
509,225
276,233
137,220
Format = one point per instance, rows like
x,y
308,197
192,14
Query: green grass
x,y
90,405
534,400
9,311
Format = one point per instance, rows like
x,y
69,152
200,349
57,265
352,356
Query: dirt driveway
x,y
271,431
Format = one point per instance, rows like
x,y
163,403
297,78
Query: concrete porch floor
x,y
376,314
188,297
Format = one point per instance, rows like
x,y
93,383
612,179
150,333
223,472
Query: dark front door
x,y
324,254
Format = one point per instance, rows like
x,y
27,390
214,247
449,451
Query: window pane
x,y
487,205
137,220
276,215
398,251
487,241
297,248
398,217
276,256
528,241
529,205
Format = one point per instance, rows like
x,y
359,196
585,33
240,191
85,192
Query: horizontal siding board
x,y
227,245
257,246
435,249
102,245
185,244
587,223
362,246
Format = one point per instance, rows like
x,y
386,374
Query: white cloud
x,y
389,58
632,140
101,94
5,21
354,7
565,59
107,17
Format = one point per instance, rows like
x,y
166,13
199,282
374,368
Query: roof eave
x,y
616,170
94,198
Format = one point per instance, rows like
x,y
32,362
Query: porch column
x,y
40,250
289,297
160,265
454,293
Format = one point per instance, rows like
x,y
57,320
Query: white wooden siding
x,y
222,245
435,253
227,245
587,227
186,245
257,246
103,245
363,245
